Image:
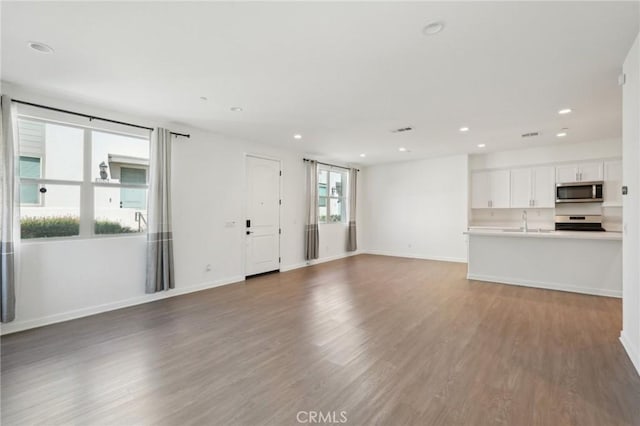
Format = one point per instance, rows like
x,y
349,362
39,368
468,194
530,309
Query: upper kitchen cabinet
x,y
589,172
613,183
521,188
544,187
580,172
533,187
567,173
490,189
480,190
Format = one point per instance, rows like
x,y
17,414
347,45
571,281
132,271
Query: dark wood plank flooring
x,y
387,340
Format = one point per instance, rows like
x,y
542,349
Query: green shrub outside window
x,y
65,226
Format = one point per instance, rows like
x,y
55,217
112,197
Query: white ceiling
x,y
341,74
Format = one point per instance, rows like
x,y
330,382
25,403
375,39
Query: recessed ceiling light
x,y
464,129
402,149
297,136
561,134
481,145
363,155
40,47
565,111
236,109
433,28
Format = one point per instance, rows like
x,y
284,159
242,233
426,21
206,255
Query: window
x,y
119,169
332,200
30,168
78,181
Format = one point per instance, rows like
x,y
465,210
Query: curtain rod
x,y
93,117
332,165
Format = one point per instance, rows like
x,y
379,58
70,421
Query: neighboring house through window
x,y
332,197
130,171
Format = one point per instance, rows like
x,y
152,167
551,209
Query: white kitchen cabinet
x,y
480,190
500,184
521,185
567,173
579,172
544,187
589,172
612,183
533,187
490,189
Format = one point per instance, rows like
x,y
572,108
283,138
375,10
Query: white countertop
x,y
515,232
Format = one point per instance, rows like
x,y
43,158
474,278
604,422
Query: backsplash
x,y
545,218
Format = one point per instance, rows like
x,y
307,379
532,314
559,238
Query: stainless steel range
x,y
588,222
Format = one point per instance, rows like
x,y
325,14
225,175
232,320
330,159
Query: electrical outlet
x,y
208,267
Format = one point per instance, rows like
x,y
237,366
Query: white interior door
x,y
263,216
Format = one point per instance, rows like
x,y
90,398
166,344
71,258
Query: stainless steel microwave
x,y
579,192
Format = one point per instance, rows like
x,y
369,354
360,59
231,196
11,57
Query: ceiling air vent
x,y
531,134
402,129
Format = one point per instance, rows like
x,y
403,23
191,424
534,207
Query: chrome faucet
x,y
525,225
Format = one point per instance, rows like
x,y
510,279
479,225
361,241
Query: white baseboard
x,y
416,256
16,326
547,285
321,260
632,352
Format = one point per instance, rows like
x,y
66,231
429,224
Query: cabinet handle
x,y
533,203
577,177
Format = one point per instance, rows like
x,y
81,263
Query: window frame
x,y
87,185
344,198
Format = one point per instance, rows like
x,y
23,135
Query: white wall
x,y
66,279
418,208
566,152
630,335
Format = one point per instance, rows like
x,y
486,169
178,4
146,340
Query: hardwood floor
x,y
386,340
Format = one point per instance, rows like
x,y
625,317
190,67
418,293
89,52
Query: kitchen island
x,y
580,262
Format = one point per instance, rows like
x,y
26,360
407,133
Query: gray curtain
x,y
312,241
10,209
352,244
160,270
